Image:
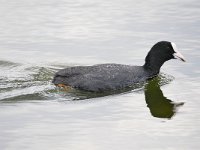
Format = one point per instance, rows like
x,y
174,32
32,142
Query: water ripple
x,y
27,82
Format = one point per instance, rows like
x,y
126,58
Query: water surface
x,y
37,38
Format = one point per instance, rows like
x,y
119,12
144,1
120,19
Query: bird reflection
x,y
159,105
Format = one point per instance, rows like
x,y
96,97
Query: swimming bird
x,y
109,77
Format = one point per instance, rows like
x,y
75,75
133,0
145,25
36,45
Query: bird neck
x,y
153,65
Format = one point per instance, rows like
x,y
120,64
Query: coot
x,y
108,77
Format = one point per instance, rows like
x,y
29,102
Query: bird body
x,y
101,77
106,77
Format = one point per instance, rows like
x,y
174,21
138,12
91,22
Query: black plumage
x,y
106,77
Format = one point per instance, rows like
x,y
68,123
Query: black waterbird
x,y
109,77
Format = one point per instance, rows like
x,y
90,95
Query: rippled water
x,y
37,38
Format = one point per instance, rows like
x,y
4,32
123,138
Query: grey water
x,y
37,38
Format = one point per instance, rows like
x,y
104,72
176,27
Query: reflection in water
x,y
159,105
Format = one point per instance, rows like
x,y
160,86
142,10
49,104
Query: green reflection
x,y
159,105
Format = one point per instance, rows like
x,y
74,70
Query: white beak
x,y
177,54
